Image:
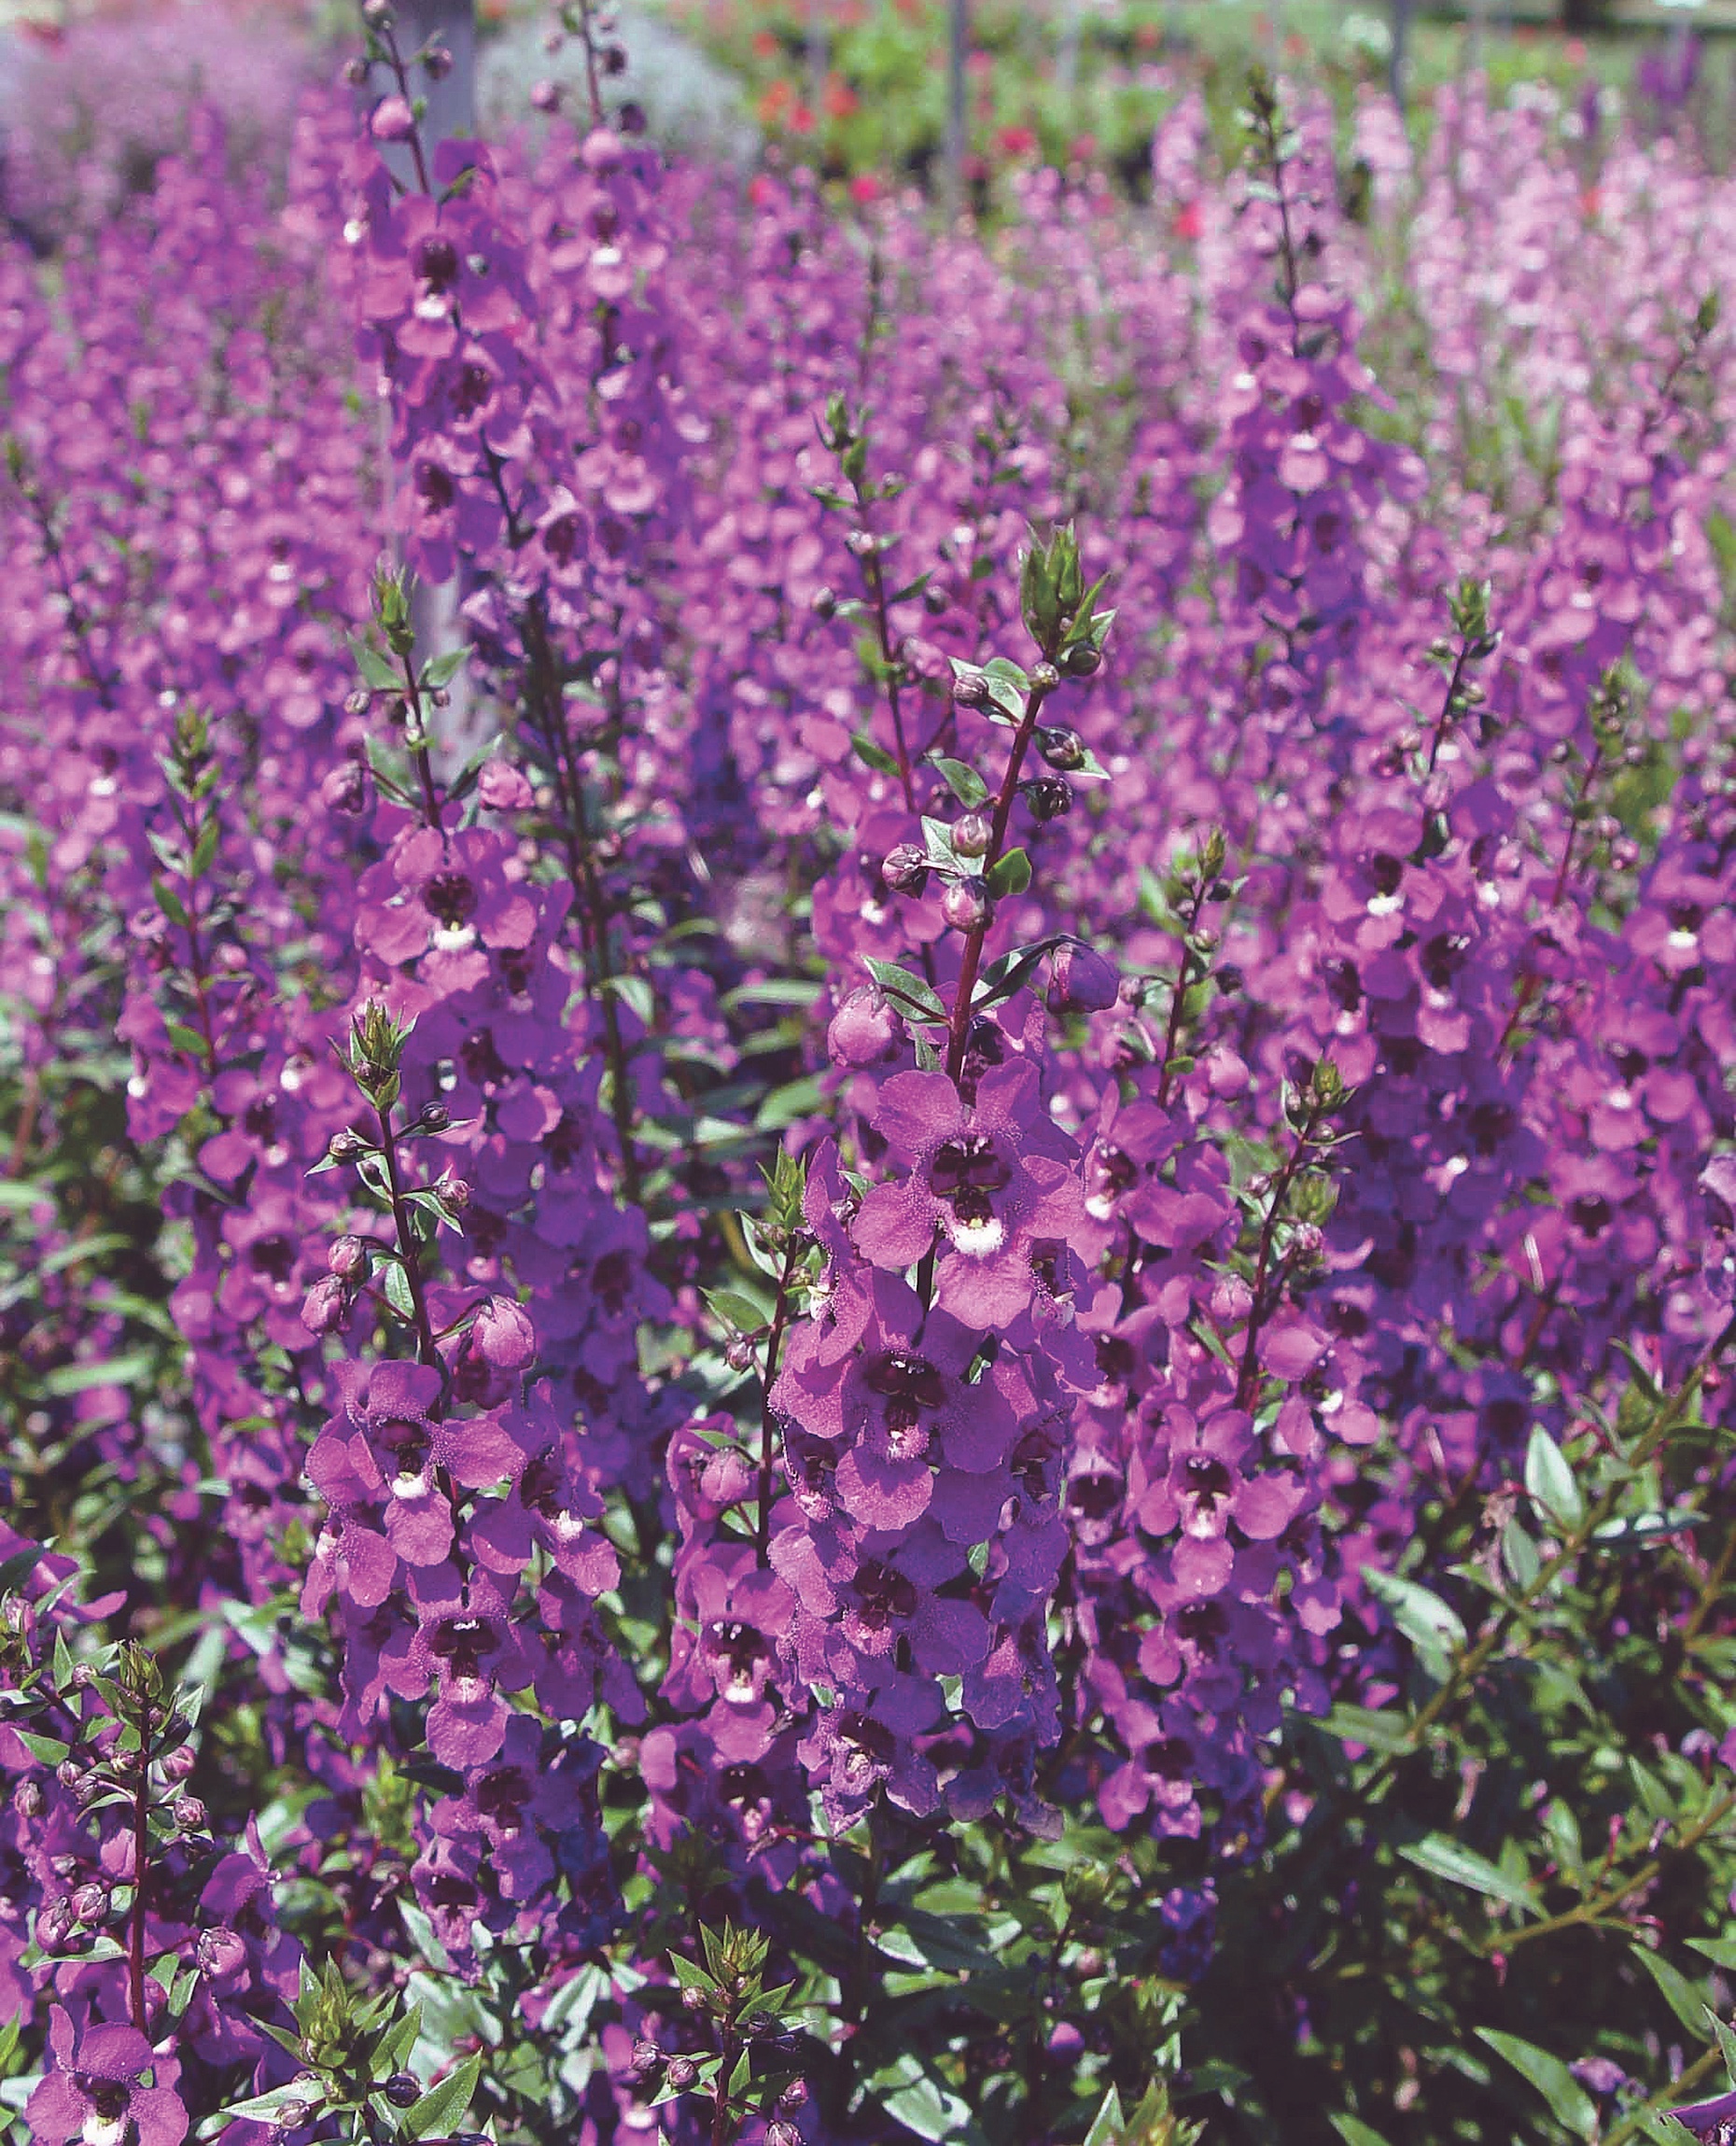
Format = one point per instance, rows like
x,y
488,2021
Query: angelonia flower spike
x,y
868,1176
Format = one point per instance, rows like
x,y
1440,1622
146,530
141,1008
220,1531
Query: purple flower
x,y
93,2095
1715,2122
988,1181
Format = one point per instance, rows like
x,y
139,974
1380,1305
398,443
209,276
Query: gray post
x,y
451,101
959,51
1477,24
1401,39
451,116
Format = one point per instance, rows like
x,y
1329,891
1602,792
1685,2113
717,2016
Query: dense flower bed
x,y
897,1301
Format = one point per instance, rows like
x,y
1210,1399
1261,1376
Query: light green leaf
x,y
1460,1866
442,2106
1567,2098
1550,1482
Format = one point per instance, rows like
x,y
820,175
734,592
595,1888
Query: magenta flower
x,y
989,1180
93,2093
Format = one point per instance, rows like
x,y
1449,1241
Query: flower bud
x,y
1048,797
54,1922
393,121
189,1813
90,1904
377,14
971,689
437,63
905,868
177,1764
1081,660
681,2070
435,1118
778,2133
863,1030
794,2096
346,788
1062,747
403,2090
971,834
69,1772
347,1258
1043,677
502,1335
739,1352
346,1145
27,1799
356,72
824,604
967,906
326,1306
503,787
1081,981
545,96
221,1951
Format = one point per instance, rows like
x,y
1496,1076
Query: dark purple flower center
x,y
434,486
437,261
450,898
968,1165
502,1794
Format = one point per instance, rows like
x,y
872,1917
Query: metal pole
x,y
1401,39
958,52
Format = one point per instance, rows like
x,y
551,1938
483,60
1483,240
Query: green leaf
x,y
692,1976
189,1042
635,992
423,1936
377,670
169,902
930,2110
1678,1993
1644,1530
1012,875
1354,2131
396,1283
1727,2041
963,780
1720,1951
298,2093
873,755
1519,1554
1381,1732
1550,1481
441,2107
1569,2101
1460,1866
46,1751
1422,1617
116,1371
784,1106
907,990
443,669
1106,2126
736,1309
